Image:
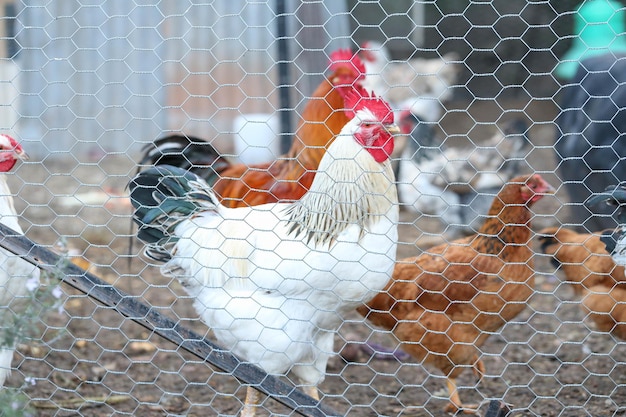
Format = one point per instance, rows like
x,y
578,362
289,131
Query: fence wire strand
x,y
483,92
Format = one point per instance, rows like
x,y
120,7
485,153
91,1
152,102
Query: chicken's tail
x,y
187,152
550,243
615,196
164,196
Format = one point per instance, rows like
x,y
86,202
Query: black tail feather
x,y
610,238
187,152
423,140
613,195
546,241
163,197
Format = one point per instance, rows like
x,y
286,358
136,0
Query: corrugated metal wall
x,y
100,77
96,77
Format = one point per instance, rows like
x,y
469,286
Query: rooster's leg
x,y
253,398
312,392
455,401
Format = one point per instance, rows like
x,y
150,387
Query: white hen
x,y
417,78
458,184
273,281
17,277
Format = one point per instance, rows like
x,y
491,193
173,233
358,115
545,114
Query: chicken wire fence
x,y
483,92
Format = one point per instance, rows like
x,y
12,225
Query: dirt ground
x,y
93,362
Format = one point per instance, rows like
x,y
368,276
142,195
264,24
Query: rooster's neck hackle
x,y
349,189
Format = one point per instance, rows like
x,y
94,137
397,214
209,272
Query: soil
x,y
91,361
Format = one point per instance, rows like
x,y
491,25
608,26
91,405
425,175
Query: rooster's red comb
x,y
359,99
345,58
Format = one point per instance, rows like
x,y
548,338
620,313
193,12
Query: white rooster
x,y
17,277
273,281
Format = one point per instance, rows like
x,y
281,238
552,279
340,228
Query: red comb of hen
x,y
345,58
359,99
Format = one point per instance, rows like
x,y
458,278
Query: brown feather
x,y
593,274
290,177
582,258
606,306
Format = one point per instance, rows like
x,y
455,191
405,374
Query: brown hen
x,y
444,304
606,306
593,274
582,257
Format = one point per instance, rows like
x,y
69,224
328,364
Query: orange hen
x,y
443,304
606,306
594,275
582,257
289,177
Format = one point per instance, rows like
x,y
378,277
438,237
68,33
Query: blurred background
x,y
104,76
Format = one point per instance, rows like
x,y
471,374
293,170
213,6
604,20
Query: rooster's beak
x,y
21,154
393,129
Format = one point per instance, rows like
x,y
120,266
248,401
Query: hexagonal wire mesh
x,y
90,86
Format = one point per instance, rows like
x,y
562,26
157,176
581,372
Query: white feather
x,y
6,357
419,192
398,81
619,253
14,275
